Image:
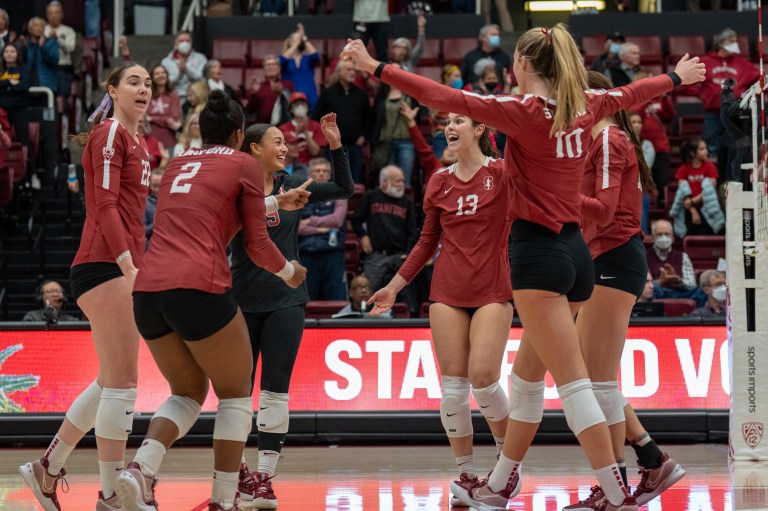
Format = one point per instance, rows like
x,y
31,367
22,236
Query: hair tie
x,y
104,107
547,32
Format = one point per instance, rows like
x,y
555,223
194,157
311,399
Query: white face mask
x,y
719,293
185,47
732,48
301,111
663,242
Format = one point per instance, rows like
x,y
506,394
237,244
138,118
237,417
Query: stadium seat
x,y
677,306
252,73
400,310
324,309
6,185
432,72
454,49
654,69
650,49
260,48
352,256
424,309
745,47
669,193
704,251
431,54
233,76
231,52
16,160
593,46
690,125
354,201
679,45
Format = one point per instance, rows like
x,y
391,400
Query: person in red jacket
x,y
549,128
722,62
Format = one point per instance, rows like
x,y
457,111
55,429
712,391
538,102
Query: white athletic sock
x,y
644,439
611,483
108,471
150,457
466,464
268,461
57,455
224,488
499,445
504,470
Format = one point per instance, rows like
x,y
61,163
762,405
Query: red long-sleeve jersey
x,y
117,173
611,196
546,171
656,114
206,196
470,221
718,69
429,163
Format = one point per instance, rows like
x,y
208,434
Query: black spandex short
x,y
541,259
193,314
624,268
86,276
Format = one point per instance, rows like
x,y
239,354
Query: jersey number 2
x,y
471,205
177,186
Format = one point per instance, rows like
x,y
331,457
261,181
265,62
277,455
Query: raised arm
x,y
342,186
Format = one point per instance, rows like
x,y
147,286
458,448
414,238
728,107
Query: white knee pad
x,y
234,418
455,413
273,412
492,401
526,399
180,410
82,412
611,401
580,406
114,419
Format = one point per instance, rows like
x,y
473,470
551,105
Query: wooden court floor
x,y
404,478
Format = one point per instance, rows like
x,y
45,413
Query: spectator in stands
x,y
190,135
197,98
629,64
321,240
487,78
722,62
271,8
489,42
610,58
298,62
649,154
427,161
712,282
14,91
671,268
360,291
371,18
264,95
696,208
647,295
164,113
293,166
158,153
385,222
391,142
404,53
184,65
354,114
151,206
365,81
311,141
656,115
66,38
212,75
42,56
51,300
501,9
6,35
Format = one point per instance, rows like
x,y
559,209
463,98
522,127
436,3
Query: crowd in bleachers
x,y
293,82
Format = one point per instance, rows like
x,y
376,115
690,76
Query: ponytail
x,y
487,142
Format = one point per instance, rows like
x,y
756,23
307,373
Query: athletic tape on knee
x,y
273,412
180,410
492,401
610,400
82,412
455,413
526,399
580,406
233,419
114,419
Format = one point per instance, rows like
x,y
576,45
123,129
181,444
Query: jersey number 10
x,y
566,141
177,186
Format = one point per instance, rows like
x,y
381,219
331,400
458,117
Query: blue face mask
x,y
494,41
614,48
458,83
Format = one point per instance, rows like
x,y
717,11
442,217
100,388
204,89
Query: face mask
x,y
458,83
732,48
719,293
300,111
491,86
614,49
494,41
185,47
663,242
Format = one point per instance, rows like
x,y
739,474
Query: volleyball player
x,y
549,129
274,313
616,175
184,308
467,216
117,170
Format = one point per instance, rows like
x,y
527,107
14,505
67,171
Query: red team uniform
x,y
470,221
117,171
206,195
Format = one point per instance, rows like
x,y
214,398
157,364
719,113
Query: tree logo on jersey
x,y
752,433
273,219
488,183
108,152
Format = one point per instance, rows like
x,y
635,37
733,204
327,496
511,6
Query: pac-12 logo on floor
x,y
752,433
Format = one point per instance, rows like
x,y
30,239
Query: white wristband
x,y
270,202
287,272
122,257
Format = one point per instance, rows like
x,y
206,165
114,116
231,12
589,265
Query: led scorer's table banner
x,y
374,369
